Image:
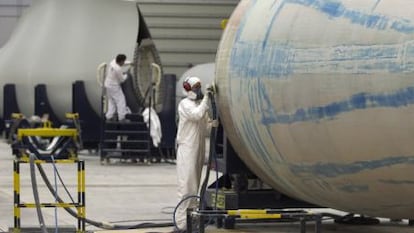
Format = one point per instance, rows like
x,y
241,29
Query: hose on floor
x,y
42,224
103,225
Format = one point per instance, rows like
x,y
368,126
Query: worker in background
x,y
116,99
191,134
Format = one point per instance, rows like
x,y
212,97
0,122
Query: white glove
x,y
210,89
214,123
124,77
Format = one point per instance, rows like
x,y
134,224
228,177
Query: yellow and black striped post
x,y
81,196
23,157
16,188
80,205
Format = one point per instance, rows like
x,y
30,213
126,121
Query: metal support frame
x,y
43,106
10,106
80,205
232,191
253,215
25,144
47,132
63,153
88,118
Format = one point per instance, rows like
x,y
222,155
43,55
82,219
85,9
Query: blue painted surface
x,y
354,188
256,93
375,5
400,98
333,170
253,138
397,182
281,61
254,142
250,62
335,9
261,58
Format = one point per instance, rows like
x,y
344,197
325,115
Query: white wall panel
x,y
186,32
10,11
178,26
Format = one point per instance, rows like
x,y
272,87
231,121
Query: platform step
x,y
125,123
126,132
125,141
125,150
61,229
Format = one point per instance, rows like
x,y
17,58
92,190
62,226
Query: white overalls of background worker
x,y
115,96
190,140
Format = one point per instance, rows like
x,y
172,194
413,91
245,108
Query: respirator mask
x,y
195,94
199,94
192,87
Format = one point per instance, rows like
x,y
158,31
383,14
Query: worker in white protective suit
x,y
115,96
190,140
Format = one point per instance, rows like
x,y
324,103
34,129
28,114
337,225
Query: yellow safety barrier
x,y
253,214
72,116
80,205
49,132
46,132
48,205
245,211
17,116
26,159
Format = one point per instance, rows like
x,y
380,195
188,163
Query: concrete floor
x,y
128,194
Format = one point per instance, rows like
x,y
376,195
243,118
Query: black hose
x,y
212,152
103,225
178,205
36,194
106,226
61,181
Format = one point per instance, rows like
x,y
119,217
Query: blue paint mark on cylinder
x,y
332,170
335,9
400,98
397,182
354,188
280,61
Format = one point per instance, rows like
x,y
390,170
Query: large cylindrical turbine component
x,y
59,41
317,98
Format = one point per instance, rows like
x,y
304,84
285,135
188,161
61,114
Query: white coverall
x,y
190,153
155,130
115,96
